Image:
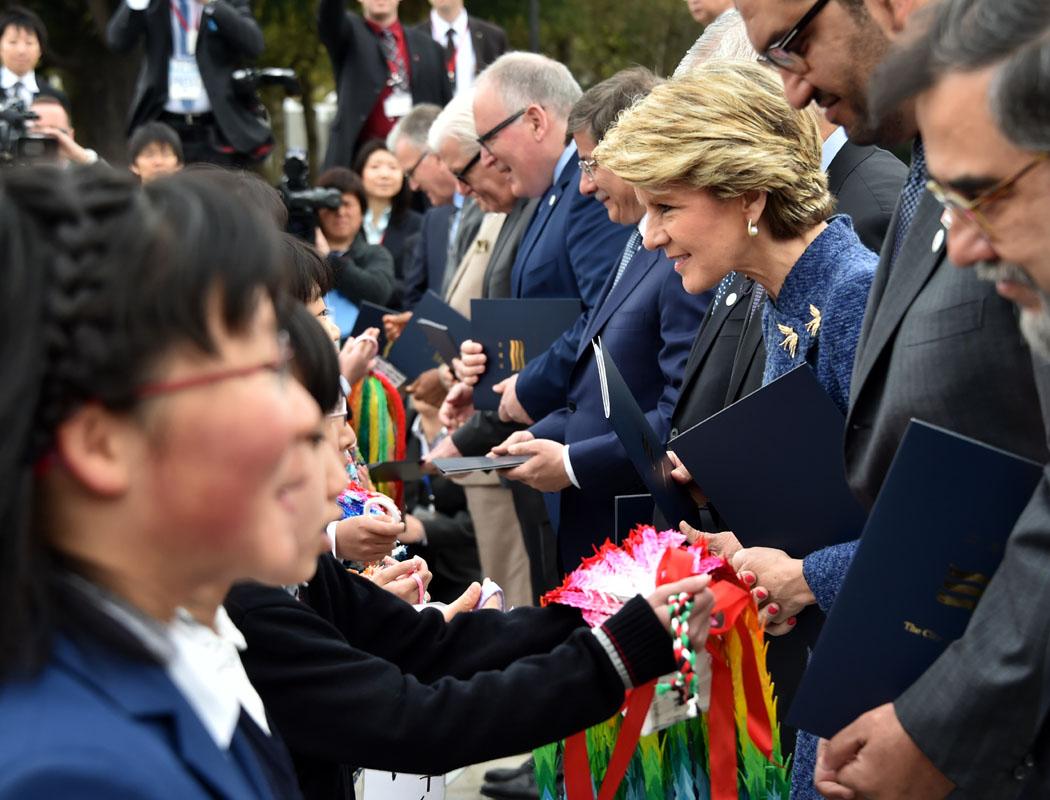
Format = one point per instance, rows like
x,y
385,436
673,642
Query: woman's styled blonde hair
x,y
728,128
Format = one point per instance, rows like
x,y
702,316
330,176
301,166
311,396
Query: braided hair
x,y
101,280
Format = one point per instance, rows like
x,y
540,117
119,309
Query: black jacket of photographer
x,y
228,36
361,72
364,272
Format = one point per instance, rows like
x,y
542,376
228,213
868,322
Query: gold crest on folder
x,y
962,589
517,355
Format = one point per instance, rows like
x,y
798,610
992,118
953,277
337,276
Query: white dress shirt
x,y
831,147
465,60
207,670
28,89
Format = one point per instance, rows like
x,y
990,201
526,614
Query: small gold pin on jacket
x,y
790,342
814,324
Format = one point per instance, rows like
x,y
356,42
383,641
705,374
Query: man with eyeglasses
x,y
449,225
978,74
937,343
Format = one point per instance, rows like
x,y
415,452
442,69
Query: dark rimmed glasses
x,y
780,53
493,132
461,175
412,170
279,366
971,208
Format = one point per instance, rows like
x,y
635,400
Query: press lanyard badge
x,y
190,31
184,79
398,104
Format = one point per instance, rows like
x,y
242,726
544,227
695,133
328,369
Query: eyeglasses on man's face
x,y
489,136
588,166
974,209
461,175
781,53
412,170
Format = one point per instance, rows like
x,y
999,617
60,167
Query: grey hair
x,y
969,35
600,106
456,123
523,79
725,38
414,126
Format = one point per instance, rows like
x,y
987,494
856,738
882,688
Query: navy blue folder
x,y
412,353
771,464
513,332
440,339
630,511
644,448
933,539
370,315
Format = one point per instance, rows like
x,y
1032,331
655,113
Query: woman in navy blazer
x,y
148,428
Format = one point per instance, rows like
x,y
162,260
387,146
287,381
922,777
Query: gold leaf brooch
x,y
814,324
790,342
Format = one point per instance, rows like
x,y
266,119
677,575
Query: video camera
x,y
302,200
18,144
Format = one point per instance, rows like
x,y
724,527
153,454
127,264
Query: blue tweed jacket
x,y
816,319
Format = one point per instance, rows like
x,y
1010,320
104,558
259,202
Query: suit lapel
x,y
896,288
844,162
614,297
145,692
544,211
708,333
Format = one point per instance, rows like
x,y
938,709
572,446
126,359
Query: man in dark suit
x,y
381,69
191,51
937,343
986,153
642,308
470,44
23,43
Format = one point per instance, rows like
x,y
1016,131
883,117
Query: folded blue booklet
x,y
934,537
644,448
412,353
513,332
771,464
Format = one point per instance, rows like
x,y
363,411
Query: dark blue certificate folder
x,y
771,463
513,332
643,446
932,541
370,315
412,353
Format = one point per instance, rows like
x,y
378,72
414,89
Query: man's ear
x,y
96,446
538,121
134,169
891,15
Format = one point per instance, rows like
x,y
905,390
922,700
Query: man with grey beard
x,y
979,74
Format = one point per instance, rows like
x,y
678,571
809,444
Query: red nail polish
x,y
792,620
773,609
761,594
748,578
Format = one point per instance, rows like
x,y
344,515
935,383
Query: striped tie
x,y
629,252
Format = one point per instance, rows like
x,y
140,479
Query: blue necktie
x,y
634,243
914,186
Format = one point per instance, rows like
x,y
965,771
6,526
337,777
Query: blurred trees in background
x,y
595,38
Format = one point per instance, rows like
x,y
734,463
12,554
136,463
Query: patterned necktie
x,y
914,186
450,57
392,54
633,245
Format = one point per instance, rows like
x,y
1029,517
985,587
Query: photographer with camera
x,y
362,271
52,122
191,51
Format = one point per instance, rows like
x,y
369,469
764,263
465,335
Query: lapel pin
x,y
553,200
814,324
938,240
731,298
790,342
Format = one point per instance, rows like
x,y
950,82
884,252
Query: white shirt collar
x,y
642,223
9,79
207,670
440,27
831,147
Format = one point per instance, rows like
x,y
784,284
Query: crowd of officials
x,y
190,611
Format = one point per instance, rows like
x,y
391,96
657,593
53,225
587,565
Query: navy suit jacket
x,y
96,725
569,250
648,310
427,268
